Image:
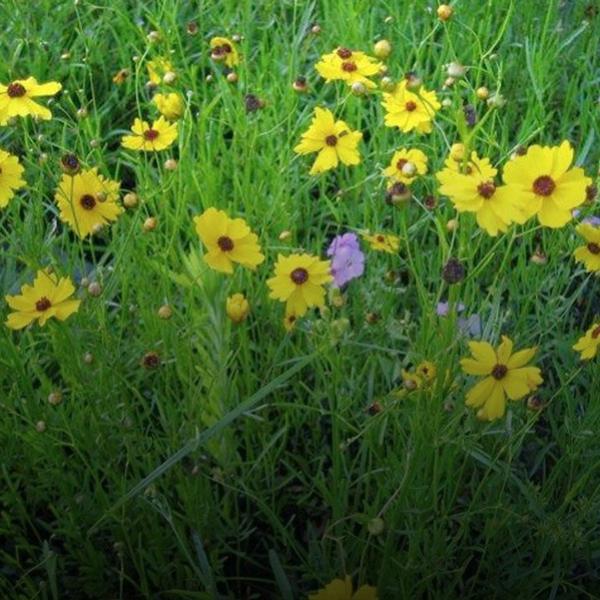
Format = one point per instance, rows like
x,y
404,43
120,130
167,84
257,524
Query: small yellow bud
x,y
358,88
285,235
382,49
165,312
94,289
457,152
483,93
169,77
150,224
444,12
376,526
40,426
170,164
55,398
237,308
452,225
130,200
232,77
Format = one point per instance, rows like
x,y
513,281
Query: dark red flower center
x,y
87,201
43,304
410,106
225,243
15,90
331,140
344,53
299,275
151,134
544,185
593,248
380,239
349,66
486,190
596,333
499,371
400,164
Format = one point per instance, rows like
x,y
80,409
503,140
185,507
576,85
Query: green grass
x,y
275,467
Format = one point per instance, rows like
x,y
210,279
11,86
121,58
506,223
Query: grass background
x,y
275,499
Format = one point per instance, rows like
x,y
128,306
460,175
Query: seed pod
x,y
453,271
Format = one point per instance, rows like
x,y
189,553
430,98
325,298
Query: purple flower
x,y
595,221
470,326
347,260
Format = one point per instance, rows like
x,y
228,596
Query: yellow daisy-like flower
x,y
16,99
349,66
10,177
299,281
148,138
170,105
289,321
589,254
495,207
342,589
588,345
228,241
410,111
223,49
157,68
406,165
505,375
383,242
427,370
544,184
333,140
87,201
48,297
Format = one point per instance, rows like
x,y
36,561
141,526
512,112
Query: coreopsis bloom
x,y
589,254
48,296
237,308
121,76
333,140
406,165
289,321
426,370
409,110
587,345
347,259
170,105
87,201
299,281
157,68
228,241
383,242
148,138
10,177
544,184
16,99
349,66
495,207
342,589
223,49
505,376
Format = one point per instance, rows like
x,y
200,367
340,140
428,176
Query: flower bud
x,y
387,84
315,29
300,85
457,152
376,526
130,200
232,77
397,193
455,70
444,12
40,426
382,49
150,360
452,225
169,77
358,88
153,37
237,307
70,164
165,312
453,271
170,164
483,93
496,100
285,235
94,289
55,398
88,358
150,224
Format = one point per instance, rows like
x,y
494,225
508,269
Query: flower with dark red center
x,y
410,106
344,53
150,360
486,189
87,201
593,248
544,185
299,275
499,371
225,243
349,67
15,90
331,140
400,164
43,304
151,134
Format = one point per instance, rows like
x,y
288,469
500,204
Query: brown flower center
x,y
220,51
486,190
596,333
87,201
349,66
151,134
380,239
344,53
299,276
15,90
410,106
499,371
400,164
544,185
331,140
593,248
43,304
225,243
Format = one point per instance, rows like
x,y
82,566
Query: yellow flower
x,y
333,140
495,207
157,69
544,184
384,242
289,321
299,281
228,241
426,370
150,139
587,345
170,105
223,49
341,589
411,381
10,177
410,111
48,297
406,165
589,254
476,167
87,201
16,99
120,76
349,66
505,375
237,307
